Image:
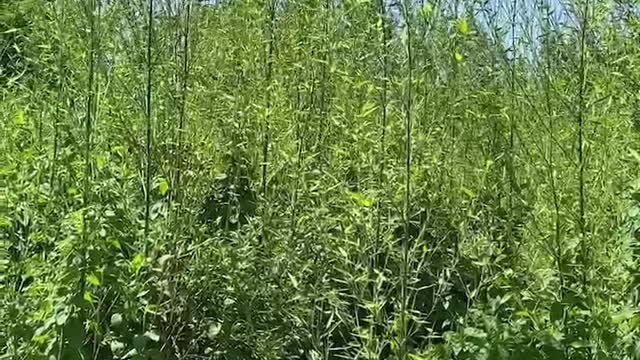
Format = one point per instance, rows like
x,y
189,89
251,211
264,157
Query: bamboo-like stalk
x,y
178,165
403,353
90,119
60,100
383,118
299,145
60,17
325,60
147,190
56,128
511,167
551,131
377,245
182,110
271,13
582,75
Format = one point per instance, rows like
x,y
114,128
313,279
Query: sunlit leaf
x,y
101,161
623,315
635,155
116,346
361,199
88,297
214,330
294,281
468,192
93,280
164,258
20,118
116,320
426,11
462,26
368,109
61,318
138,262
475,333
151,335
163,187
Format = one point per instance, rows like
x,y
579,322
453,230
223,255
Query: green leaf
x,y
468,192
152,336
361,200
137,263
556,313
462,26
635,155
635,322
20,119
163,187
417,357
116,347
88,297
474,333
74,333
116,244
116,320
214,330
61,318
426,11
368,109
293,280
623,315
93,280
130,354
101,161
164,258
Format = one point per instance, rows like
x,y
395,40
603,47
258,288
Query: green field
x,y
320,179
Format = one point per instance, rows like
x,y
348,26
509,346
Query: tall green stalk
x,y
90,115
182,109
60,103
177,190
551,131
324,77
90,119
383,56
512,123
582,75
382,19
403,354
299,142
147,199
271,13
61,96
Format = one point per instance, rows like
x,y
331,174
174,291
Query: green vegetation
x,y
320,179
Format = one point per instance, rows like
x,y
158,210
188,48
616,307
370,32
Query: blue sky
x,y
502,14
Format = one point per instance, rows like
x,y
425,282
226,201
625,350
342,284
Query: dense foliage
x,y
319,179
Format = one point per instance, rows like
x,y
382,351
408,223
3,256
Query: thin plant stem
x,y
148,114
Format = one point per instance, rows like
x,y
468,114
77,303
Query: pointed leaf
x,y
163,187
